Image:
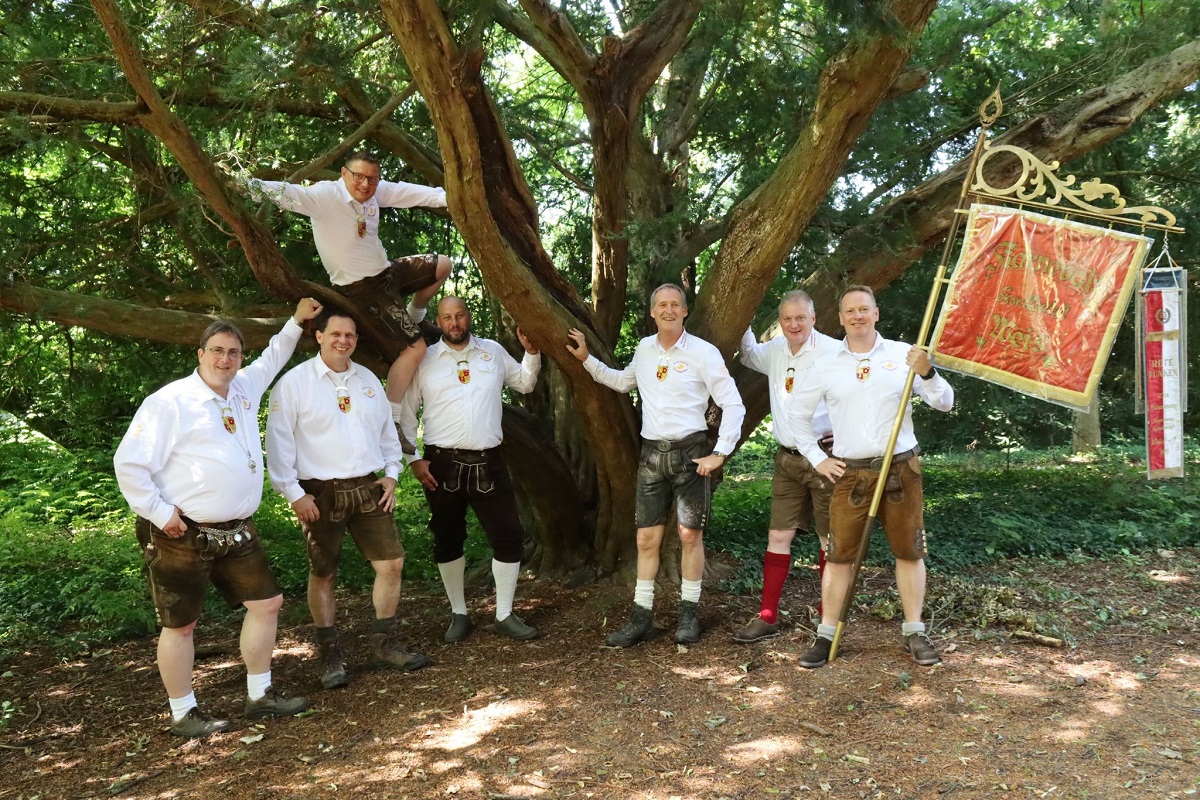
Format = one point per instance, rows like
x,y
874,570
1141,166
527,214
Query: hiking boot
x,y
429,332
388,651
274,704
196,723
817,655
687,631
333,665
639,628
460,628
757,630
921,648
406,447
514,627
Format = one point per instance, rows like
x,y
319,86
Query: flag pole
x,y
989,112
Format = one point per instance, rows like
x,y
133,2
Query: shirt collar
x,y
442,348
877,345
680,343
346,198
321,369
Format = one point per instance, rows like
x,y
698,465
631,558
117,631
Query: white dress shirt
x,y
309,437
178,452
862,411
460,415
335,215
776,360
673,408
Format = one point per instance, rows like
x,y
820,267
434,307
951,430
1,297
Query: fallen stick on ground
x,y
1038,638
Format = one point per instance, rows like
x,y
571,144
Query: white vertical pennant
x,y
1163,375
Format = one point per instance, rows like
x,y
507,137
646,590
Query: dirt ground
x,y
1115,713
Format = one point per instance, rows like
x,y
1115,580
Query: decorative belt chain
x,y
224,538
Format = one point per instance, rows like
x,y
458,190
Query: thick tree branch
x,y
125,319
269,266
880,250
68,108
767,223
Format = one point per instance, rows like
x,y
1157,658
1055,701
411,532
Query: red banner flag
x,y
1036,301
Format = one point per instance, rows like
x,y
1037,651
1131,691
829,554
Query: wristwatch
x,y
724,456
929,375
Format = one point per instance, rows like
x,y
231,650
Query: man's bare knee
x,y
690,537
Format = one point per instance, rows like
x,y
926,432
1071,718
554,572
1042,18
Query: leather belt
x,y
667,445
876,464
458,451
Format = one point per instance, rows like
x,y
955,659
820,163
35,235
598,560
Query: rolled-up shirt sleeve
x,y
622,380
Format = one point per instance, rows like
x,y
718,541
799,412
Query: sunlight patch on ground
x,y
1163,576
1090,670
748,753
476,724
719,675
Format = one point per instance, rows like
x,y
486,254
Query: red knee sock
x,y
775,572
820,578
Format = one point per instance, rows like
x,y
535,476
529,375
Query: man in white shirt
x,y
799,494
861,384
188,467
345,217
329,433
675,374
459,385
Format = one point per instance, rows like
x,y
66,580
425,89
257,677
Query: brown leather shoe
x,y
196,723
757,630
817,655
332,662
388,651
922,650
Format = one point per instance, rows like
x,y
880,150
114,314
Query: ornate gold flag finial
x,y
991,109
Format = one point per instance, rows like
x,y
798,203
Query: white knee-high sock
x,y
453,575
505,574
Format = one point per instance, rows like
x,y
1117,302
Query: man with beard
x,y
799,494
675,374
345,218
861,384
329,434
188,467
459,384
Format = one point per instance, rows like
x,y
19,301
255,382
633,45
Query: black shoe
x,y
196,723
639,628
460,628
274,704
388,651
688,629
817,655
333,665
514,627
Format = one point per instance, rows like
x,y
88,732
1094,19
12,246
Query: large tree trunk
x,y
496,216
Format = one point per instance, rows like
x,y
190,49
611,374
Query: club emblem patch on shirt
x,y
485,356
679,366
370,211
245,403
368,391
889,365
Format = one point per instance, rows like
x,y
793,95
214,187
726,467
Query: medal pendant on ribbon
x,y
362,227
227,418
343,398
252,465
464,373
862,372
661,374
787,385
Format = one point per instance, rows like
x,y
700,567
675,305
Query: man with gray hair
x,y
675,374
799,494
189,468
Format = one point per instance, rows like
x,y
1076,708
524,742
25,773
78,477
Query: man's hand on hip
x,y
388,501
831,468
306,509
420,471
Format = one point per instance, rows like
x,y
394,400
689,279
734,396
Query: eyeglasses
x,y
220,352
371,180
